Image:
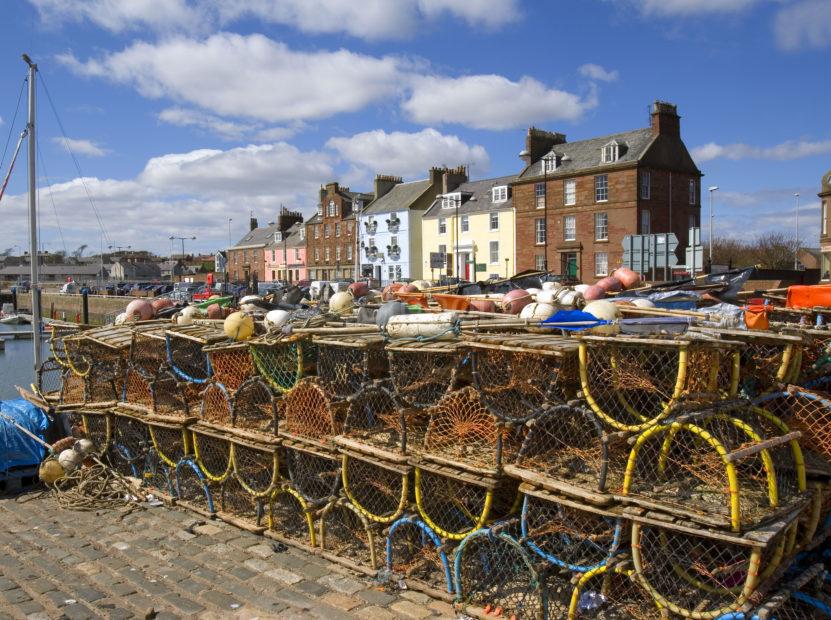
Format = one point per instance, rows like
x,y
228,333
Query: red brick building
x,y
331,251
575,201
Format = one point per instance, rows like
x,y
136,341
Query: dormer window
x,y
333,209
613,151
550,163
500,193
320,210
451,201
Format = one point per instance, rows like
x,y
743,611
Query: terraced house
x,y
575,201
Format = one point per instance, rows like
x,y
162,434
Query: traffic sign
x,y
437,260
644,253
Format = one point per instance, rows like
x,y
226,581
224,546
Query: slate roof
x,y
53,270
476,198
294,239
400,197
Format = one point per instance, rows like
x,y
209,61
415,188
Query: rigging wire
x,y
14,119
51,197
75,161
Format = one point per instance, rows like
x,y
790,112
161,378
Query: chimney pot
x,y
665,119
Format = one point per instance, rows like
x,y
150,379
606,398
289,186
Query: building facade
x,y
285,255
825,231
575,201
472,226
331,238
245,259
389,235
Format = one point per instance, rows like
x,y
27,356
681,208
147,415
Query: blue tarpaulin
x,y
16,448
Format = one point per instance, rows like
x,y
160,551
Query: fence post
x,y
85,307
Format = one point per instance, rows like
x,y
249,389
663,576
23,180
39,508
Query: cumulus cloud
x,y
598,73
369,19
225,129
803,25
81,147
667,8
772,209
491,102
792,149
407,154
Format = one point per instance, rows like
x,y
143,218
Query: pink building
x,y
285,259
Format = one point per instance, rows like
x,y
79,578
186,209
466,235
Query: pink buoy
x,y
161,304
610,284
214,311
139,310
482,305
627,277
514,301
358,289
593,292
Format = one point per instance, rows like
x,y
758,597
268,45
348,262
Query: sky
x,y
174,116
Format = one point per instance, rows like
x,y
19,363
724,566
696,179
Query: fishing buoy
x,y
358,289
537,311
341,303
139,310
214,311
547,296
421,285
70,460
533,291
568,298
276,318
187,315
605,311
433,326
643,303
483,305
121,318
161,304
628,278
389,290
551,286
50,471
84,447
250,299
389,310
609,284
514,301
593,293
238,326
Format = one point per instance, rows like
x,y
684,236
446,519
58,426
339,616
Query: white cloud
x,y
225,129
81,147
792,149
491,102
117,16
747,214
805,24
488,13
408,154
668,8
236,75
598,73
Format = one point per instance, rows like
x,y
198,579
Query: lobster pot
x,y
216,409
463,433
313,472
185,350
491,569
231,364
768,359
346,363
612,591
701,574
171,441
310,413
803,596
378,423
212,453
238,506
104,351
378,490
148,349
517,375
423,371
256,467
291,517
73,389
806,411
566,450
174,398
100,389
77,353
813,357
256,408
158,475
193,489
716,468
93,424
567,534
57,333
50,380
346,535
130,444
416,554
283,362
455,503
138,391
631,383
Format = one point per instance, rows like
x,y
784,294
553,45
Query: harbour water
x,y
17,362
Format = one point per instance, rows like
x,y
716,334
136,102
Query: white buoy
x,y
605,311
276,318
434,326
537,311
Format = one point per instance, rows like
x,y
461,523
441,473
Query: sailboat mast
x,y
33,220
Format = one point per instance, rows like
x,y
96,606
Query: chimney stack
x,y
252,224
384,183
665,119
538,142
452,178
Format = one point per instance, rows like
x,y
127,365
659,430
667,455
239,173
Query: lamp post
x,y
182,239
230,219
796,251
711,189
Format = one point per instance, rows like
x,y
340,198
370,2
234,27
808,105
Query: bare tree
x,y
774,250
79,251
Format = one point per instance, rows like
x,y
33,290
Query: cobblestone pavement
x,y
156,563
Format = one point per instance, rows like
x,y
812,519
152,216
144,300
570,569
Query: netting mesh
x,y
73,389
345,369
98,429
574,539
346,533
50,378
173,397
282,362
216,405
131,442
814,356
311,413
148,354
416,553
187,358
56,345
377,418
158,475
170,442
493,571
454,507
192,487
807,411
255,407
380,493
231,365
257,468
236,501
712,371
316,477
766,365
137,389
290,516
212,454
78,354
421,377
612,593
464,432
514,385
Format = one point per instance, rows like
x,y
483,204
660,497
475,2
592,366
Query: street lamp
x,y
711,189
182,239
230,219
796,252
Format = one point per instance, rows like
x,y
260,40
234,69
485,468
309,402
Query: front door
x,y
569,264
378,273
464,268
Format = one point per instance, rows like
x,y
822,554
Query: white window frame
x,y
337,229
540,195
317,254
646,185
570,184
326,254
499,193
442,228
692,192
326,231
349,252
570,224
464,224
824,217
601,191
332,209
493,220
393,241
601,263
337,252
540,231
609,154
449,201
601,226
539,262
302,234
391,272
493,249
296,254
550,163
317,231
646,222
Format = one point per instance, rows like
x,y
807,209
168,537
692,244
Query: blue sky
x,y
183,114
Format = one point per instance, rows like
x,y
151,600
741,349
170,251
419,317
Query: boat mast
x,y
33,221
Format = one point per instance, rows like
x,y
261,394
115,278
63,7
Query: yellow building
x,y
473,228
